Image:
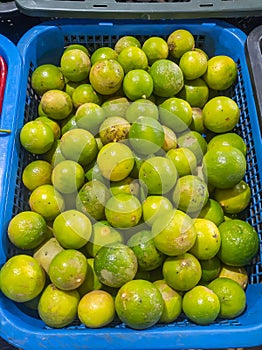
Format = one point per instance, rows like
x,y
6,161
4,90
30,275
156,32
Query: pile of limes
x,y
135,190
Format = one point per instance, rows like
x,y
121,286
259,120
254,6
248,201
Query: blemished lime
x,y
27,230
167,77
201,305
195,142
53,124
207,241
46,252
139,304
170,139
172,302
235,199
141,107
116,106
91,199
221,72
115,264
190,194
58,308
221,114
96,309
68,269
56,104
148,256
22,278
239,242
72,229
106,76
182,272
231,295
103,53
126,41
102,234
174,232
238,274
75,64
179,42
123,210
113,129
46,201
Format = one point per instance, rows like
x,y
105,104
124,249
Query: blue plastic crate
x,y
44,44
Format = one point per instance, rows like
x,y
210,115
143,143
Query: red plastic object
x,y
3,76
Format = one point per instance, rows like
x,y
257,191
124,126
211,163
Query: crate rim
x,y
114,9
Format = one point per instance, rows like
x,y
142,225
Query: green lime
x,y
141,107
231,296
221,114
212,211
175,113
84,93
137,84
115,161
195,142
210,269
159,175
239,242
132,57
37,173
197,123
195,92
228,139
193,64
155,206
53,124
68,176
89,116
201,305
22,278
36,137
96,309
225,166
126,41
56,104
103,53
91,281
155,48
72,229
116,106
139,304
77,46
46,201
184,160
47,77
146,135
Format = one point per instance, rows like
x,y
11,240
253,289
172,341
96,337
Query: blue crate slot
x,y
45,44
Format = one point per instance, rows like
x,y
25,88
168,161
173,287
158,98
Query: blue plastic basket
x,y
44,44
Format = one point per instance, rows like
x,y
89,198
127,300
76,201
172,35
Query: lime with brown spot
x,y
75,64
126,41
103,53
179,42
47,77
